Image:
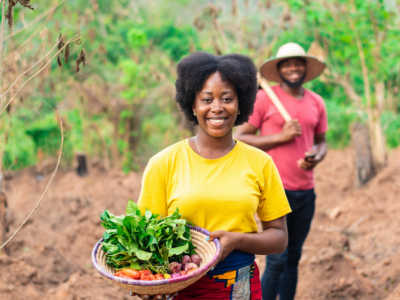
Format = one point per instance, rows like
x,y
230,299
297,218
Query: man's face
x,y
292,71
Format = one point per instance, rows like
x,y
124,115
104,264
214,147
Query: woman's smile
x,y
217,121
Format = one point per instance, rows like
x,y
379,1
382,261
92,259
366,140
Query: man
x,y
296,147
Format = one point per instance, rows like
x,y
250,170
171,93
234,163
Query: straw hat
x,y
269,69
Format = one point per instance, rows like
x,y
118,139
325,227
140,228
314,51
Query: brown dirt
x,y
352,251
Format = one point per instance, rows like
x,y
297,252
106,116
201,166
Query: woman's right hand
x,y
156,297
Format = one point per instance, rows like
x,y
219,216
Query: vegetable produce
x,y
175,267
145,241
131,273
195,259
190,266
186,259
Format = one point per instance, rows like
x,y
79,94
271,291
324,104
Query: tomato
x,y
131,272
144,273
159,277
118,273
183,273
145,277
152,277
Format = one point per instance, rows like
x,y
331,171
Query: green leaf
x,y
176,214
135,265
110,248
132,208
148,214
178,250
131,223
143,255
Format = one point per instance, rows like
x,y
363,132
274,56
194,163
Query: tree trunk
x,y
3,221
377,137
362,152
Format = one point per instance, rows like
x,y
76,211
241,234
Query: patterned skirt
x,y
240,284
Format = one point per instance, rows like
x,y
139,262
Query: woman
x,y
219,183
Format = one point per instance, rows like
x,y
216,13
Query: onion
x,y
186,259
175,267
196,259
175,275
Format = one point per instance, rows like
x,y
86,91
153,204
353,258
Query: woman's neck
x,y
213,147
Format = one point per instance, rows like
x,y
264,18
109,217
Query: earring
x,y
239,112
194,114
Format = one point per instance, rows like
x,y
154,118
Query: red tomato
x,y
118,273
183,273
144,273
159,277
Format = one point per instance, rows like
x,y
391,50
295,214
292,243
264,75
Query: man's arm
x,y
247,134
321,148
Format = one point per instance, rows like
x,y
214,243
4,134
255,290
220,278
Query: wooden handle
x,y
274,98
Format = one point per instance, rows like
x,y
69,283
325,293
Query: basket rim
x,y
135,282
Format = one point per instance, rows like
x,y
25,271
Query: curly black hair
x,y
194,70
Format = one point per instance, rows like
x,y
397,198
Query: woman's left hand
x,y
229,241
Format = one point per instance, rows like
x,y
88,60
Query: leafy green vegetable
x,y
145,241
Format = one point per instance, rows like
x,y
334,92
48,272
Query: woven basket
x,y
208,252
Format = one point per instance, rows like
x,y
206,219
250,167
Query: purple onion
x,y
175,267
186,259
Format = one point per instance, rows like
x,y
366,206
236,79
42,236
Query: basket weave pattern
x,y
208,252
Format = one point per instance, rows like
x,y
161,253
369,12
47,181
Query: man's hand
x,y
309,163
290,130
229,241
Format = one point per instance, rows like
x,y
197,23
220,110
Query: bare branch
x,y
40,17
28,70
47,186
70,41
1,49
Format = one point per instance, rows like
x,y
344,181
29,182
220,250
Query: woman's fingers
x,y
156,297
215,234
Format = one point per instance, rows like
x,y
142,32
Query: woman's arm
x,y
273,239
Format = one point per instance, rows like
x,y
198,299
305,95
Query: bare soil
x,y
352,252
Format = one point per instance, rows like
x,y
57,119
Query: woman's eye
x,y
227,99
207,100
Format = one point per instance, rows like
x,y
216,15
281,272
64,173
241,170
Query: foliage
x,y
145,241
121,106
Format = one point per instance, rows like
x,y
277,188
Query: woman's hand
x,y
156,297
229,241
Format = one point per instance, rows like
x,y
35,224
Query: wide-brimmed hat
x,y
269,69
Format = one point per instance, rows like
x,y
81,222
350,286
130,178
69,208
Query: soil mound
x,y
352,251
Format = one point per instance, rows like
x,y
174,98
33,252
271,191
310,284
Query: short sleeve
x,y
259,111
153,193
322,125
273,202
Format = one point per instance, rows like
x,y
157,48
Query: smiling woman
x,y
217,182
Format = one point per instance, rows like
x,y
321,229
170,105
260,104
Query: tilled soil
x,y
352,251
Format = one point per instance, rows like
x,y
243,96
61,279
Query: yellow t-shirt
x,y
216,194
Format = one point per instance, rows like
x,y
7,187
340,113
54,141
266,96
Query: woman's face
x,y
216,106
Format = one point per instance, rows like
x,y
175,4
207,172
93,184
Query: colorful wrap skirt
x,y
240,284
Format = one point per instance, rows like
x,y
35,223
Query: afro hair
x,y
195,69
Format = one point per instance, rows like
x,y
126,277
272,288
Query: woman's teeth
x,y
217,121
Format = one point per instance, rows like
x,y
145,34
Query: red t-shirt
x,y
311,113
